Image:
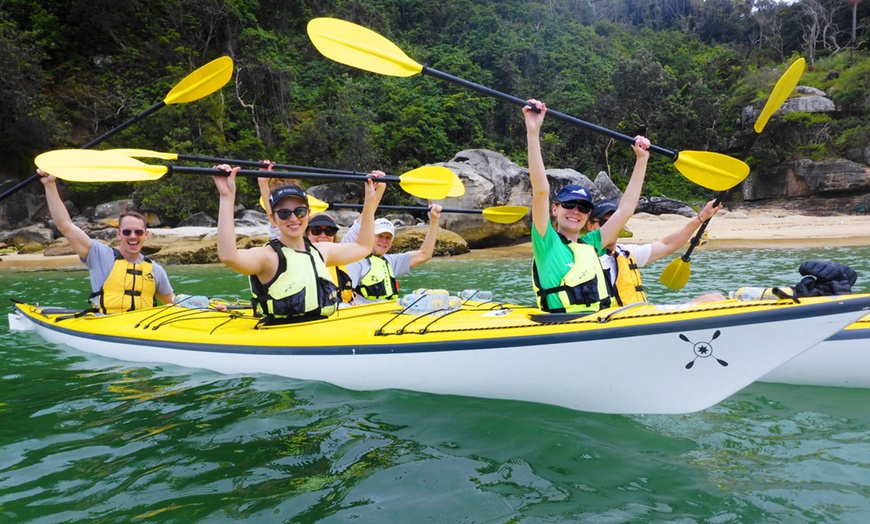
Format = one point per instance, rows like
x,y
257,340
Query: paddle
x,y
357,46
677,273
497,214
457,189
198,84
77,165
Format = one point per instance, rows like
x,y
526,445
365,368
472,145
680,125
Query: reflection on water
x,y
91,439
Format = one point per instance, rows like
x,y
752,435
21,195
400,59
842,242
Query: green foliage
x,y
679,72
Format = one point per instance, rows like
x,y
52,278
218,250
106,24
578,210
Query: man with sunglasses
x,y
122,279
622,262
289,276
566,272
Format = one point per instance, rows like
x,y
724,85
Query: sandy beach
x,y
743,229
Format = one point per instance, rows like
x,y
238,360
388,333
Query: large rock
x,y
808,178
808,104
411,238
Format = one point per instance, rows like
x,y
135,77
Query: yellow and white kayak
x,y
842,360
638,359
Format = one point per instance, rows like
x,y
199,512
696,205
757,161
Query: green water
x,y
90,439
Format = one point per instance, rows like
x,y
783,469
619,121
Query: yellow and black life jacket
x,y
302,288
583,289
343,282
380,282
628,286
129,286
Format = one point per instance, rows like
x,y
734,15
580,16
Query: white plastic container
x,y
192,302
758,293
474,294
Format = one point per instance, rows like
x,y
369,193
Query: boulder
x,y
411,238
110,211
664,206
200,219
808,104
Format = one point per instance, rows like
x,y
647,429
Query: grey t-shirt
x,y
101,259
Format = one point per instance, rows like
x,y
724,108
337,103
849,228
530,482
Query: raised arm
x,y
628,203
380,187
248,261
427,249
537,172
678,238
78,239
346,252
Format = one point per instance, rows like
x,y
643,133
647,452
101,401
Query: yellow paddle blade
x,y
87,165
676,274
351,44
202,82
711,170
143,153
457,189
429,182
505,214
784,86
316,205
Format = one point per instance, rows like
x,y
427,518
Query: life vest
x,y
343,282
628,285
380,282
301,289
129,286
583,289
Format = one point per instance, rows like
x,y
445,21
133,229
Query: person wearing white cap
x,y
289,276
622,262
374,277
566,271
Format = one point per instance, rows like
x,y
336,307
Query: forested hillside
x,y
679,71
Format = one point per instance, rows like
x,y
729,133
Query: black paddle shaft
x,y
256,163
278,174
555,114
35,176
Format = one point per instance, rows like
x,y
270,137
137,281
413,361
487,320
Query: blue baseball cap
x,y
573,193
602,208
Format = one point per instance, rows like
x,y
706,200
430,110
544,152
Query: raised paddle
x,y
198,84
77,165
677,273
497,214
457,189
357,46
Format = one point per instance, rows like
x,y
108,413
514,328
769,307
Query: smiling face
x,y
135,237
292,225
383,243
570,222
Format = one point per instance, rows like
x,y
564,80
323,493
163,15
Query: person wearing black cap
x,y
567,273
622,262
289,277
322,228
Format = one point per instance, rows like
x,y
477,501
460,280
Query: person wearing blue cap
x,y
289,276
566,271
622,262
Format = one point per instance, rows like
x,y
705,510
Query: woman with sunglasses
x,y
622,262
566,271
289,277
322,228
122,278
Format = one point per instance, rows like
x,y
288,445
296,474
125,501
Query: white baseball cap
x,y
382,225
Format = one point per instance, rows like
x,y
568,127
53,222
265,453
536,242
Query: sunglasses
x,y
582,207
601,221
284,214
128,232
319,230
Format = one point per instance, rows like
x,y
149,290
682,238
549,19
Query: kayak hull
x,y
843,360
636,361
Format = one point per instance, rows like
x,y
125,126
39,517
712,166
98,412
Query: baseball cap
x,y
323,220
283,192
573,192
602,208
382,225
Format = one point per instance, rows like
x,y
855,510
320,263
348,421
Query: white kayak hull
x,y
642,362
843,360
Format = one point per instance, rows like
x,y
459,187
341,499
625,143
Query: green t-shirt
x,y
553,258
